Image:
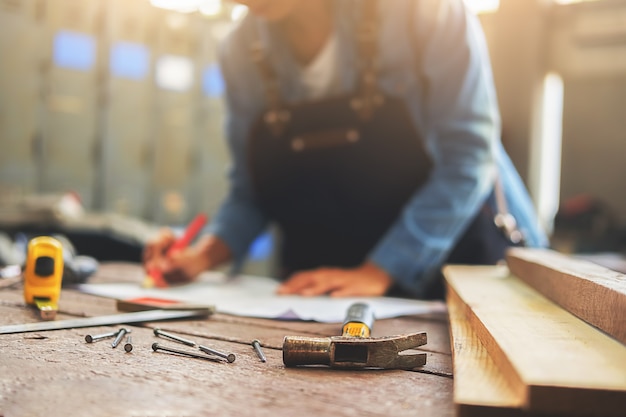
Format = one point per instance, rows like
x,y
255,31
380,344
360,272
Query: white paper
x,y
254,296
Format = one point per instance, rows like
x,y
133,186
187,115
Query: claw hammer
x,y
355,349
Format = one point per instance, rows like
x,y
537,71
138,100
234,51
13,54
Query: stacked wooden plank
x,y
518,353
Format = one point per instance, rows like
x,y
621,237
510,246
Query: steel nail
x,y
257,347
90,339
156,347
230,357
159,332
119,337
128,346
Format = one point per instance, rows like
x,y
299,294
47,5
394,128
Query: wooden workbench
x,y
56,373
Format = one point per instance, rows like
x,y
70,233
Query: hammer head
x,y
354,352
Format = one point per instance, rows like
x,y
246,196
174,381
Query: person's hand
x,y
365,280
186,264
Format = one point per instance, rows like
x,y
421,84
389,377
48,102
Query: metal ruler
x,y
125,318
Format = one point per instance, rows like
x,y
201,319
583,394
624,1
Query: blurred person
x,y
368,132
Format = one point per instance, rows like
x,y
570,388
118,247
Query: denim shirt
x,y
433,54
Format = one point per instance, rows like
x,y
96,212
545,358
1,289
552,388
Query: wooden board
x,y
477,383
587,290
480,390
553,361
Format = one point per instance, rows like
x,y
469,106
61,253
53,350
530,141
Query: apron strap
x,y
368,96
277,116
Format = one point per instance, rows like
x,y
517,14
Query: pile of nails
x,y
118,335
207,352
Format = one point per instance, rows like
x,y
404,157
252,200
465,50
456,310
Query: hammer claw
x,y
409,361
410,341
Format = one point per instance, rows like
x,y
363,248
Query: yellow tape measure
x,y
43,275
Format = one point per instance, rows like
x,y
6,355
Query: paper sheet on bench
x,y
254,296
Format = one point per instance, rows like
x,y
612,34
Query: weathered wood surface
x,y
553,361
56,373
587,290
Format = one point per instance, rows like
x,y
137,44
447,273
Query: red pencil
x,y
155,276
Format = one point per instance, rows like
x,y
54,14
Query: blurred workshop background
x,y
119,103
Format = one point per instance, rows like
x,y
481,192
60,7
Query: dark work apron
x,y
335,174
334,183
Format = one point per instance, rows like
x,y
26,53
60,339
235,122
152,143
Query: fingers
x,y
295,283
181,266
155,257
367,280
350,291
158,245
309,283
185,264
319,286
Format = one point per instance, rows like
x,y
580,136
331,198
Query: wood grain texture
x,y
587,290
56,373
479,388
553,361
